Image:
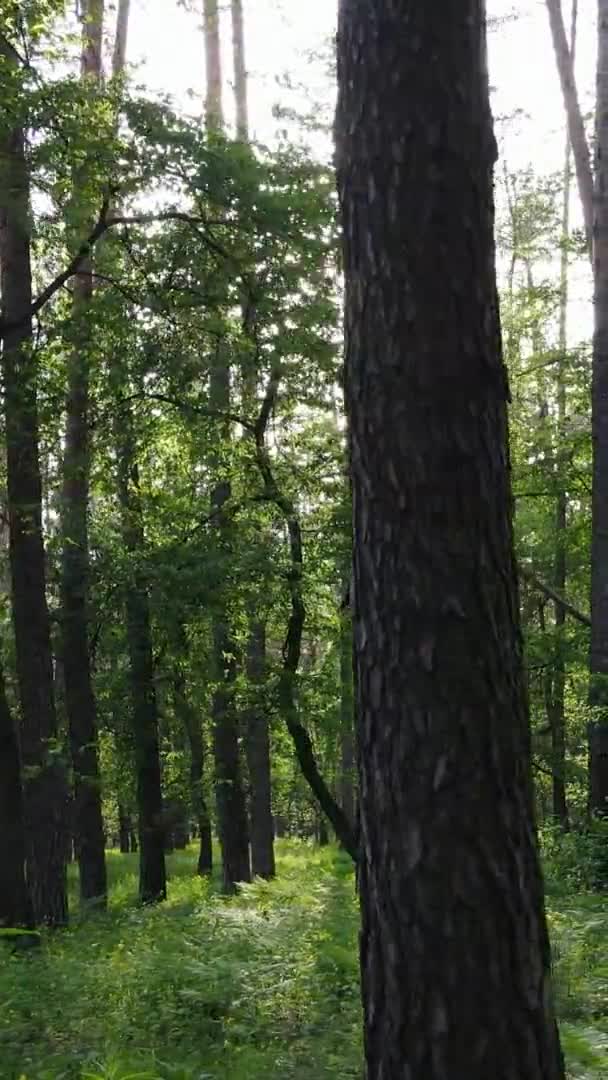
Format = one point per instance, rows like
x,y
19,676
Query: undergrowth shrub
x,y
263,986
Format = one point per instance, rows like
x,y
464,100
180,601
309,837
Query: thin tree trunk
x,y
257,742
80,704
192,726
454,946
124,830
214,114
258,757
119,55
576,126
45,787
152,873
15,904
230,795
598,687
558,717
240,71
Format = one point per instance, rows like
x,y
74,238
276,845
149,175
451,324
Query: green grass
x,y
262,987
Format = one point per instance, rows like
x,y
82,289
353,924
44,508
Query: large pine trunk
x,y
454,948
45,788
598,688
15,906
80,701
258,756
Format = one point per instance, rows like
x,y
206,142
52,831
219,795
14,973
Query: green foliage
x,y
258,987
576,860
262,986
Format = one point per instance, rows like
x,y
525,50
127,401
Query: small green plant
x,y
264,986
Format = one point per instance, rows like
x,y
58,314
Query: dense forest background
x,y
176,687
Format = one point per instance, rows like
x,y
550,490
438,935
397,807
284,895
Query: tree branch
x,y
536,583
576,127
292,647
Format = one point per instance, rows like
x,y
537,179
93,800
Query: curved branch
x,y
293,641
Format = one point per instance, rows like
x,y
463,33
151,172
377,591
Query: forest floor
x,y
261,986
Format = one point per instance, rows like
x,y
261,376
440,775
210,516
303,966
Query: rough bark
x,y
258,756
45,787
15,905
598,659
152,873
214,114
80,704
192,725
576,127
454,947
240,71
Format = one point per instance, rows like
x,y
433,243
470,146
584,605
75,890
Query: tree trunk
x,y
152,873
454,947
258,757
347,728
214,115
15,905
124,830
119,55
230,796
192,726
240,71
598,666
576,126
80,704
45,787
558,714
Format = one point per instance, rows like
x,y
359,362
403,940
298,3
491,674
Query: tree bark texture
x,y
81,707
258,756
15,905
45,787
454,947
598,667
152,872
576,126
